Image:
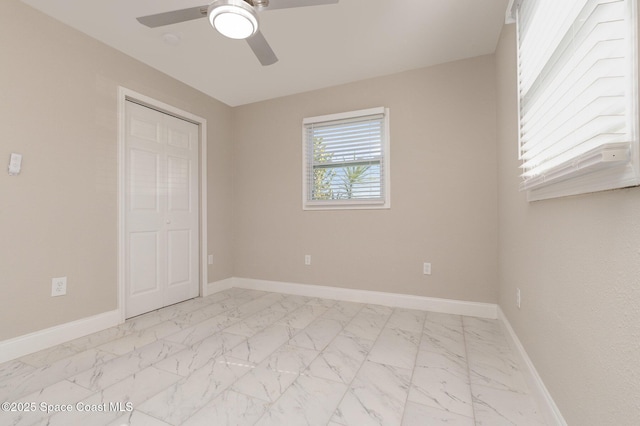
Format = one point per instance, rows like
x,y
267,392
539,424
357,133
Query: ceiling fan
x,y
237,19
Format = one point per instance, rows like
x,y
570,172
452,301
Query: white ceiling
x,y
317,47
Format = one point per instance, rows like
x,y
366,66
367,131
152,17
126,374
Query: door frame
x,y
125,95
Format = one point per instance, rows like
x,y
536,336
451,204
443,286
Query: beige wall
x,y
443,189
59,216
577,263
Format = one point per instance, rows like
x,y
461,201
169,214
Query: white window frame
x,y
608,166
341,204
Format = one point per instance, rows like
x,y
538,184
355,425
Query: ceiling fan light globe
x,y
233,19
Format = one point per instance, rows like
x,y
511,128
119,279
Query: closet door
x,y
161,225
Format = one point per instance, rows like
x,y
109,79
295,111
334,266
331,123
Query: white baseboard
x,y
475,309
546,404
217,286
33,342
36,341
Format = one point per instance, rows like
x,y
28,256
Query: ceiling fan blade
x,y
261,49
286,4
173,17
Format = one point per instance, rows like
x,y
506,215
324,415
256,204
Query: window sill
x,y
605,168
346,205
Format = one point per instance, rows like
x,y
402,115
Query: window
x,y
578,96
346,160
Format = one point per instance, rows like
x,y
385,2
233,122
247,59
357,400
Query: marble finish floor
x,y
246,357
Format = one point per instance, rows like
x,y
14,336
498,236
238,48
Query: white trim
x,y
218,286
510,13
456,307
604,156
546,404
345,115
386,162
43,339
123,95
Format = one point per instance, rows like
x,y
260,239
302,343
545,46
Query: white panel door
x,y
161,224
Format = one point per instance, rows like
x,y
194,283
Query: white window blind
x,y
578,95
346,160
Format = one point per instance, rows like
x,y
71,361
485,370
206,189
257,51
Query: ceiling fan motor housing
x,y
260,4
235,19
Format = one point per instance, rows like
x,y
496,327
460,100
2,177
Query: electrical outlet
x,y
307,259
518,298
210,259
58,286
426,268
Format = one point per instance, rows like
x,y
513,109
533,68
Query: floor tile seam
x,y
140,403
251,313
462,375
466,357
501,389
148,413
157,335
304,371
355,375
74,402
95,346
186,314
74,351
194,308
228,389
195,342
78,352
320,352
350,317
472,418
22,374
66,376
175,304
263,328
299,329
85,387
471,361
498,343
268,403
101,391
270,353
348,387
128,376
236,298
146,364
272,404
166,358
364,361
379,332
163,422
477,386
507,366
123,326
237,320
526,395
294,381
413,370
126,332
326,345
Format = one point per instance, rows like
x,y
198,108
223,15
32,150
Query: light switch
x,y
14,164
